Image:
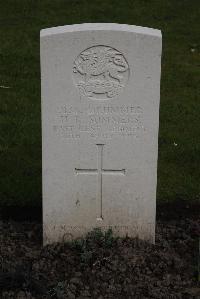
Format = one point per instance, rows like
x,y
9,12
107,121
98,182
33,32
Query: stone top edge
x,y
100,27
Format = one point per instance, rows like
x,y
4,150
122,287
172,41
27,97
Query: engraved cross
x,y
99,171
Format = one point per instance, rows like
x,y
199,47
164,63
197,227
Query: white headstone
x,y
100,118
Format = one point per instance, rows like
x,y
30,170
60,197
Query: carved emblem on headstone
x,y
100,72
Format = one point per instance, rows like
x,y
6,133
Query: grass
x,y
20,120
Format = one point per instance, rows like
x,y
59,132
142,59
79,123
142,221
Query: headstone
x,y
100,118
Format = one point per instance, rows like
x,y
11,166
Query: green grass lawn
x,y
20,120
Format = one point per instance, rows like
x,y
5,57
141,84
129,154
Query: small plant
x,y
95,239
58,291
109,238
105,239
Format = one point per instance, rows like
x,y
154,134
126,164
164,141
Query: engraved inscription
x,y
100,72
100,120
100,171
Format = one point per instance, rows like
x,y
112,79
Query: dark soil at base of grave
x,y
101,266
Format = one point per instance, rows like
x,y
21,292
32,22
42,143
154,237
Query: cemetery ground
x,y
99,266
